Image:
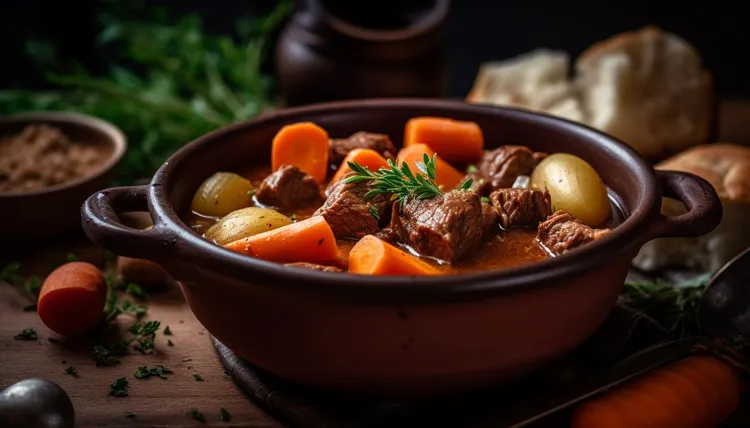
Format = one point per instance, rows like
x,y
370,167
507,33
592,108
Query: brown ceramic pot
x,y
45,214
399,334
333,50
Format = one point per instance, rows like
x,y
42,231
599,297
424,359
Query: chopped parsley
x,y
471,169
33,285
197,377
107,356
198,416
293,217
71,370
485,199
71,257
144,372
26,334
118,387
374,212
136,291
167,331
224,415
169,343
144,335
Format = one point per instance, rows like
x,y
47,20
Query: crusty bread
x,y
727,168
645,87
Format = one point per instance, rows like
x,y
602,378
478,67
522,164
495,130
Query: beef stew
x,y
394,212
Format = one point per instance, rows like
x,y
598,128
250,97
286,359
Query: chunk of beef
x,y
490,221
314,266
288,187
445,227
522,207
350,215
381,143
499,168
562,232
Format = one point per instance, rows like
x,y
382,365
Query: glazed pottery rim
x,y
634,230
422,26
115,138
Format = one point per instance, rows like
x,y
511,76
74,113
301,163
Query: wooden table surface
x,y
157,402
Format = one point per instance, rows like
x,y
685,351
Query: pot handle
x,y
704,209
102,224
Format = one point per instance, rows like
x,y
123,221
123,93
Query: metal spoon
x,y
724,312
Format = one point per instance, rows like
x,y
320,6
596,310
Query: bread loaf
x,y
727,168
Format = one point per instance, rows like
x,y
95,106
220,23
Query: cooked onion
x,y
245,222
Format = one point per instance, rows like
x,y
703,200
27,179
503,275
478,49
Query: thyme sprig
x,y
400,181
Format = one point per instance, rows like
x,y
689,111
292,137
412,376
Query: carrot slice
x,y
447,176
453,140
368,158
304,145
72,298
373,256
308,240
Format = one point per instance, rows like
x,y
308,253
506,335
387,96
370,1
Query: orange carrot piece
x,y
447,176
72,298
304,145
368,158
308,240
695,392
454,140
373,256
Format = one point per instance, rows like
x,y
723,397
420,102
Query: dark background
x,y
479,30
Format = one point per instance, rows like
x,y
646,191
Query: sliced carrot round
x,y
304,145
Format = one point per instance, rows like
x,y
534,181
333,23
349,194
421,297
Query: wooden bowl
x,y
391,335
48,213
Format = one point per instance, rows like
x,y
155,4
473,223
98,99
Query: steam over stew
x,y
441,204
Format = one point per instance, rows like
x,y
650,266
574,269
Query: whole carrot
x,y
72,298
695,392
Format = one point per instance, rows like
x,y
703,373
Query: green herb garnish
x,y
374,212
136,291
293,217
144,372
144,335
71,370
224,415
198,416
118,387
71,257
471,169
198,377
26,334
107,356
485,199
167,331
673,306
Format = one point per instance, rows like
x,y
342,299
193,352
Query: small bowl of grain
x,y
50,162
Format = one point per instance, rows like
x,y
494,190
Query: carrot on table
x,y
697,391
309,240
72,298
368,158
453,140
304,145
447,176
373,256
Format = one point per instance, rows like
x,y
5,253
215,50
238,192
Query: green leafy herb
x,y
33,285
131,415
169,343
673,306
167,331
119,387
144,372
71,257
485,199
224,414
374,212
136,291
144,335
466,185
26,334
399,181
105,356
252,193
293,217
198,416
9,273
196,81
108,257
198,377
71,370
471,169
